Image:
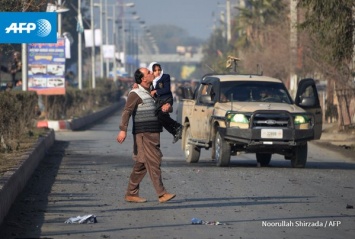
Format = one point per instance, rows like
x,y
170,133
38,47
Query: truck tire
x,y
183,138
263,159
299,157
222,151
192,152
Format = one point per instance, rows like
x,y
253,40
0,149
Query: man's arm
x,y
132,101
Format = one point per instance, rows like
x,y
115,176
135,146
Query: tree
x,y
331,23
215,53
254,18
330,27
261,36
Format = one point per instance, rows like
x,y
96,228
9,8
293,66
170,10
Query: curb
x,y
75,124
13,181
53,124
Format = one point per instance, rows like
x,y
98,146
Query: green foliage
x,y
253,19
215,53
20,6
331,24
18,112
250,32
76,103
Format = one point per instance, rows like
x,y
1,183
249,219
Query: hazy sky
x,y
195,16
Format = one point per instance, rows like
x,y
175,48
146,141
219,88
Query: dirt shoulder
x,y
11,159
342,141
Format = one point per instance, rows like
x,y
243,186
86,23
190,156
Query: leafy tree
x,y
332,25
254,18
215,53
259,37
23,5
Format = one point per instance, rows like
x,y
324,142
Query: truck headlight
x,y
303,121
237,118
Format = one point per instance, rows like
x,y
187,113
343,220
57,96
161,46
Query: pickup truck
x,y
231,113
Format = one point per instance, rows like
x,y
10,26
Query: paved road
x,y
86,172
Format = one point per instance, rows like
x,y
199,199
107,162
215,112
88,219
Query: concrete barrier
x,y
75,124
14,180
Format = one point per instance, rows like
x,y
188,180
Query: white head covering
x,y
150,68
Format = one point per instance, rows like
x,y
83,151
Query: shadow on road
x,y
29,207
235,163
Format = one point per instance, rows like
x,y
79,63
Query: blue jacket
x,y
163,89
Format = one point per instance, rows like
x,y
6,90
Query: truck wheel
x,y
192,152
263,159
222,151
213,148
299,157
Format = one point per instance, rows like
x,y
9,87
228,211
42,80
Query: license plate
x,y
271,133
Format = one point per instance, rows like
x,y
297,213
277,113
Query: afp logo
x,y
43,27
23,27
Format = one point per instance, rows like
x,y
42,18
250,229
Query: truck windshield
x,y
246,91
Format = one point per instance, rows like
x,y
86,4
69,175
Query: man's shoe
x,y
134,199
166,197
178,134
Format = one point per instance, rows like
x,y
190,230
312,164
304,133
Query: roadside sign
x,y
46,68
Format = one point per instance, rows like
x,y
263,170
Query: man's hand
x,y
121,136
167,108
153,92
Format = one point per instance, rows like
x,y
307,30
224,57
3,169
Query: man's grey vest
x,y
144,118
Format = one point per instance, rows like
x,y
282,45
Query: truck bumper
x,y
252,137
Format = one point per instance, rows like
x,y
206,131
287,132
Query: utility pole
x,y
93,44
114,44
101,44
80,46
229,28
353,63
293,46
106,37
24,59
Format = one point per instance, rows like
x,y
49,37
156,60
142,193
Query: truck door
x,y
202,113
307,98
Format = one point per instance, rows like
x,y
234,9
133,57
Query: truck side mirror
x,y
308,101
206,99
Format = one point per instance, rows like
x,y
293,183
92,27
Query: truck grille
x,y
265,120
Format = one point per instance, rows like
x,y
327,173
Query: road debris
x,y
90,218
202,222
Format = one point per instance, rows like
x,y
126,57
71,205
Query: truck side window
x,y
308,97
207,94
204,89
